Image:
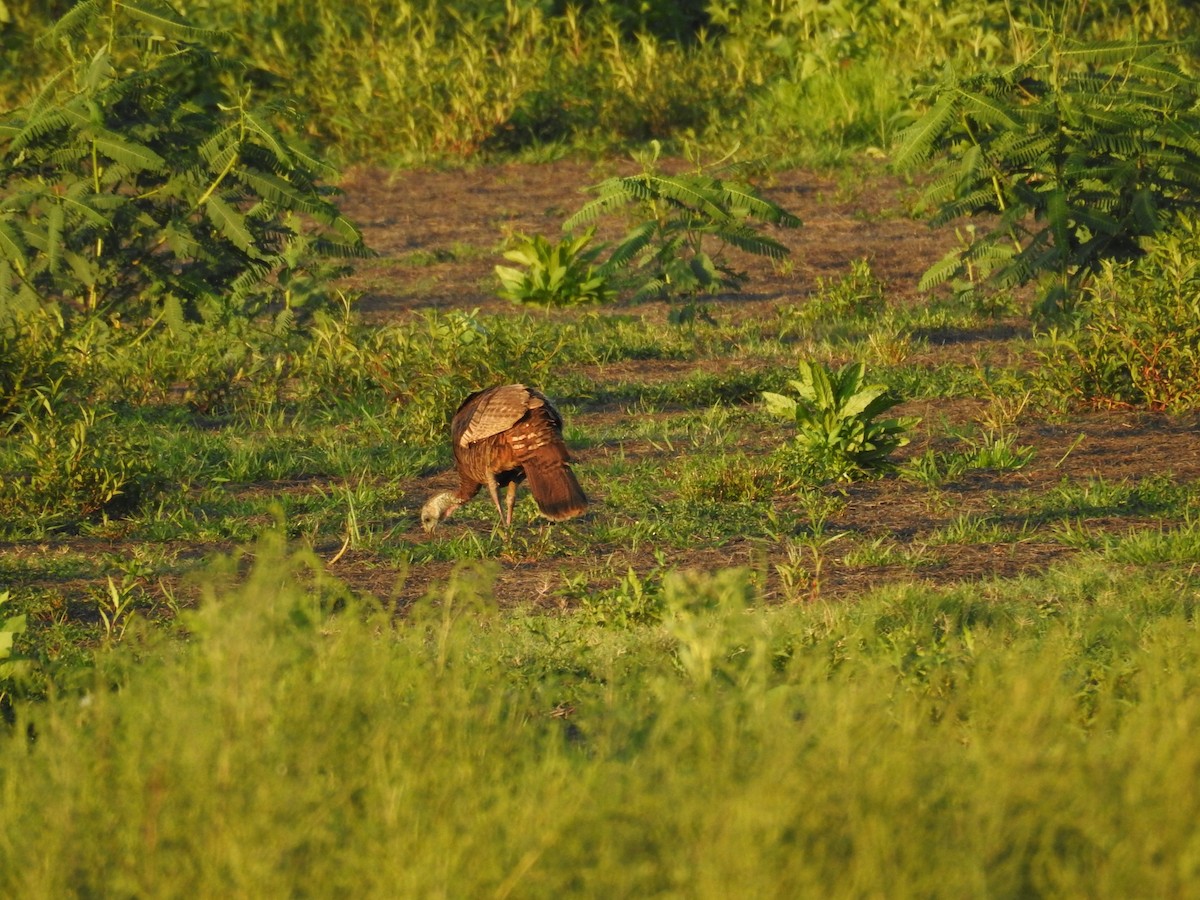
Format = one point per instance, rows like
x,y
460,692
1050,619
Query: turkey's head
x,y
436,509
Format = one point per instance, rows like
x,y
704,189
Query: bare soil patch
x,y
424,214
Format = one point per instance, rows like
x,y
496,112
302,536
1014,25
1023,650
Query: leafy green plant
x,y
11,664
800,577
559,274
1136,339
144,181
859,294
15,667
679,219
841,308
114,606
1081,150
837,434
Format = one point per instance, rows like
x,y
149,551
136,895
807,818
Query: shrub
x,y
144,181
1136,340
70,466
31,359
1081,150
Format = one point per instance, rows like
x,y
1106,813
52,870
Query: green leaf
x,y
862,401
696,192
9,628
99,71
137,157
916,143
232,225
222,148
55,219
594,209
990,110
39,125
738,197
637,240
285,194
512,279
750,241
819,385
166,21
13,248
77,20
269,136
779,405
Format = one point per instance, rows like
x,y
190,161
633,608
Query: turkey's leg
x,y
491,486
509,499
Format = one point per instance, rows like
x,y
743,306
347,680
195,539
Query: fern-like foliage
x,y
1081,151
143,181
683,225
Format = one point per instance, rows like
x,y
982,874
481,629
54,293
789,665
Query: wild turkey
x,y
502,436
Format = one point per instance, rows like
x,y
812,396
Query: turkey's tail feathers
x,y
555,489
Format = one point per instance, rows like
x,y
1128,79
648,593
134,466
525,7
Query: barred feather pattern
x,y
503,436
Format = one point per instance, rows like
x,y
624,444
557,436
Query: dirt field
x,y
447,217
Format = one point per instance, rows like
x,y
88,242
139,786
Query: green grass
x,y
327,432
919,742
970,529
884,551
191,723
997,452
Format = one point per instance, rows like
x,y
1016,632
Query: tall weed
x,y
69,467
33,361
1081,150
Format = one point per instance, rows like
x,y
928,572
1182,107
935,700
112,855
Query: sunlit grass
x,y
339,428
714,747
972,529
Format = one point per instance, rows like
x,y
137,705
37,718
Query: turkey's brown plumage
x,y
502,436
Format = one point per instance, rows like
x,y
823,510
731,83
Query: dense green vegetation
x,y
1035,738
420,81
1083,150
143,182
228,668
